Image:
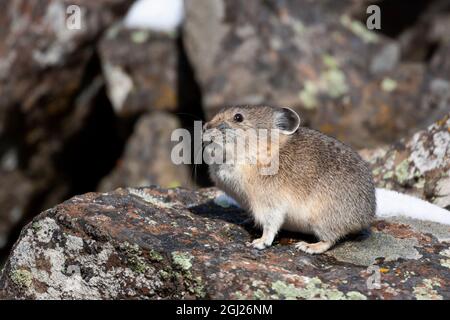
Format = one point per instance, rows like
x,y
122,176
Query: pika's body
x,y
321,187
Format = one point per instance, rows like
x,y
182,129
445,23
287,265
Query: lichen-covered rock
x,y
314,56
141,69
419,166
147,158
155,243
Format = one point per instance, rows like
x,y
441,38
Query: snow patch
x,y
391,203
155,15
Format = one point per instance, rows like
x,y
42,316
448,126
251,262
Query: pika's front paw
x,y
259,244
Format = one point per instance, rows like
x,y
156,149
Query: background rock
x,y
50,99
147,157
145,80
314,56
156,243
419,166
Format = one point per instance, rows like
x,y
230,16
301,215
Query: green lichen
x,y
355,295
359,29
182,274
388,175
335,83
140,36
137,265
376,171
329,61
426,290
239,296
36,226
23,278
288,291
332,82
198,288
308,96
388,84
155,256
259,295
135,260
402,172
298,26
314,289
193,285
182,260
164,274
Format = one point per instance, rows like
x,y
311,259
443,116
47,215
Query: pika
x,y
321,185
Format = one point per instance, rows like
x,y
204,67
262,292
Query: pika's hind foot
x,y
313,248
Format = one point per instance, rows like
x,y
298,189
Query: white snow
x,y
158,15
391,203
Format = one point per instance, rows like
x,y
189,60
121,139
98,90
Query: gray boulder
x,y
152,243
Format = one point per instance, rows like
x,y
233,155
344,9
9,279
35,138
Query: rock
x,y
49,87
345,80
156,243
419,165
140,67
147,157
427,33
13,202
52,56
266,53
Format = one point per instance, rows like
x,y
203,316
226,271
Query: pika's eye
x,y
238,117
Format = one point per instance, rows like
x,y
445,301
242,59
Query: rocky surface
x,y
419,166
156,243
313,56
147,157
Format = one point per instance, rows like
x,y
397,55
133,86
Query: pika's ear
x,y
287,120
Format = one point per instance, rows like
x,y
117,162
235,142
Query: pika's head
x,y
250,132
285,120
